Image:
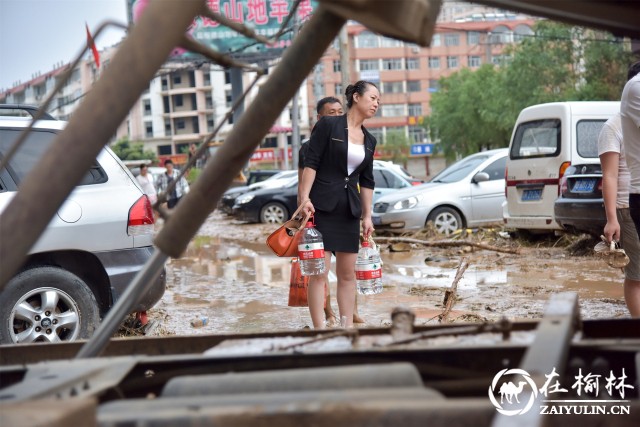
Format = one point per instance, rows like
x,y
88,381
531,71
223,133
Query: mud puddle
x,y
228,276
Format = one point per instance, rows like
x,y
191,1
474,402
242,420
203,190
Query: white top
x,y
355,156
630,112
610,141
147,186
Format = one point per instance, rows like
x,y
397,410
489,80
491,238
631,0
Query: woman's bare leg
x,y
345,270
315,295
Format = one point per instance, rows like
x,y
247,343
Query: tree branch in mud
x,y
447,244
451,293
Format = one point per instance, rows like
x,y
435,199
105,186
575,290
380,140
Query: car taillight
x,y
140,219
564,187
563,169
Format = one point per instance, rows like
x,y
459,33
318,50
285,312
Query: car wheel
x,y
445,220
274,213
47,304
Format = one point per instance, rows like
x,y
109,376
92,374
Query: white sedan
x,y
468,193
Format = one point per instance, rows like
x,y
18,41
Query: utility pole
x,y
344,61
295,116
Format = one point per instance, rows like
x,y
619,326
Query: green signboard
x,y
264,16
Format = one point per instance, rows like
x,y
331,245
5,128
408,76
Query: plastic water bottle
x,y
311,251
368,270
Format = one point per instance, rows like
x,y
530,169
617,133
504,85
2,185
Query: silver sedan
x,y
468,193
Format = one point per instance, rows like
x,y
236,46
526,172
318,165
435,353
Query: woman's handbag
x,y
284,241
298,285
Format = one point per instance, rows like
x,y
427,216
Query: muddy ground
x,y
230,277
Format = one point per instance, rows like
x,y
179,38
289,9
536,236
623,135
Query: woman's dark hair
x,y
358,87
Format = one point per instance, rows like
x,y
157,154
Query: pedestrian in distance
x,y
146,182
166,179
337,187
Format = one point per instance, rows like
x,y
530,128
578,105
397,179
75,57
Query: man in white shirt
x,y
146,182
630,129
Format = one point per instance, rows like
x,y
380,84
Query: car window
x,y
587,132
394,180
496,169
459,170
538,138
380,179
32,149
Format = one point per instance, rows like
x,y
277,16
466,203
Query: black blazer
x,y
327,155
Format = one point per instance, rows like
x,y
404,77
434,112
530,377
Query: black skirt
x,y
340,229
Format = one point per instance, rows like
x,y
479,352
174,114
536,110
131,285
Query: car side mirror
x,y
480,177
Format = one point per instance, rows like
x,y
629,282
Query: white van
x,y
546,140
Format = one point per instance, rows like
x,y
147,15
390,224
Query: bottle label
x,y
368,271
311,250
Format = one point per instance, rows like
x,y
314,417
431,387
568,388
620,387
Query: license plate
x,y
376,220
529,195
584,185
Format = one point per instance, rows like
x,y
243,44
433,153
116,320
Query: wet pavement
x,y
229,276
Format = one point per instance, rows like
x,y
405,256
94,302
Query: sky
x,y
36,34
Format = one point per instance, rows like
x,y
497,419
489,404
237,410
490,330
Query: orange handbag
x,y
284,241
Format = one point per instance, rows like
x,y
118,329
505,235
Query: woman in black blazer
x,y
337,186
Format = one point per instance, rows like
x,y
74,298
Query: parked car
x,y
274,181
466,194
89,253
400,170
276,205
546,140
580,207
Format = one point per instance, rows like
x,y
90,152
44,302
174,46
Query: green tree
x,y
398,145
475,110
126,150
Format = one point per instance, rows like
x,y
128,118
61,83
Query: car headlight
x,y
245,199
408,203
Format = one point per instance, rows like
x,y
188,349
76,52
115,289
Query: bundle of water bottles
x,y
368,264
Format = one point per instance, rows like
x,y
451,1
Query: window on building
x,y
413,86
228,98
452,39
210,122
195,125
338,89
417,133
521,32
473,37
194,102
180,124
179,101
369,64
434,85
498,59
500,35
436,41
164,150
147,107
165,84
413,63
367,39
148,127
208,101
415,110
452,62
207,78
177,79
389,42
392,87
182,148
434,62
393,110
167,128
392,64
474,61
227,77
336,66
377,133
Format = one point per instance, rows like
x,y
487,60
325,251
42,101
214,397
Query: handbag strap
x,y
306,218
